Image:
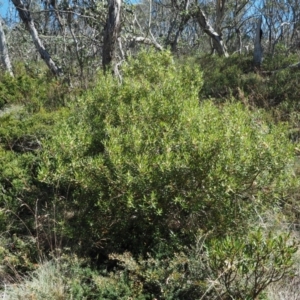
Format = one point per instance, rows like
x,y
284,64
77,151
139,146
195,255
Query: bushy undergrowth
x,y
21,137
22,197
235,76
32,87
232,268
131,173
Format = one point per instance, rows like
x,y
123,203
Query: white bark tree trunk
x,y
111,32
258,50
28,21
208,29
4,52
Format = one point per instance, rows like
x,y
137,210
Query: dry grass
x,y
46,283
287,289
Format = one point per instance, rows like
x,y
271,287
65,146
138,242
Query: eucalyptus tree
x,y
85,35
231,20
88,30
25,15
278,15
171,22
72,31
111,34
258,50
204,23
4,56
237,23
214,23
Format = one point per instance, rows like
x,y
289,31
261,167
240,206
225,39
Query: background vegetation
x,y
174,174
149,189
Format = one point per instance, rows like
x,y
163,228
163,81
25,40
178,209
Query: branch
x,y
219,45
146,41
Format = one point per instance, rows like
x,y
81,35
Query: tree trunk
x,y
111,31
258,50
220,11
183,22
28,21
184,14
4,52
239,43
216,38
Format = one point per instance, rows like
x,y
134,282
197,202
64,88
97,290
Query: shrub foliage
x,y
147,158
132,172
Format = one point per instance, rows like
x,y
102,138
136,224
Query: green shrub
x,y
17,257
282,86
280,59
242,268
235,76
22,197
35,90
223,75
143,164
18,124
224,268
20,144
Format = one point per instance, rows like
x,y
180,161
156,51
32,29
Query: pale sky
x,y
4,7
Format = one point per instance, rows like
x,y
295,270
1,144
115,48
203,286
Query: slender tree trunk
x,y
4,52
184,19
57,14
183,22
28,21
239,43
258,50
208,29
220,11
111,31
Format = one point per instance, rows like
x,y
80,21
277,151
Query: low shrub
x,y
23,199
34,90
66,279
145,158
235,76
